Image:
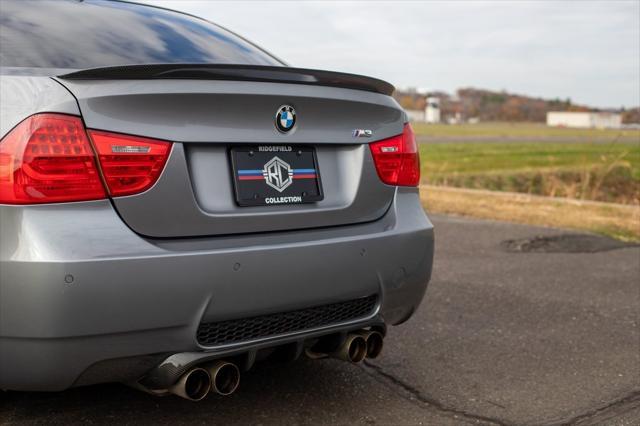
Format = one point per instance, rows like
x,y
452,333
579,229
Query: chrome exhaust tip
x,y
193,385
354,349
225,377
375,342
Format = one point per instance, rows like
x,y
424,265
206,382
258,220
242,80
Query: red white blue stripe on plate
x,y
258,174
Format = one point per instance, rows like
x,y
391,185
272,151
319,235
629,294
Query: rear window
x,y
79,34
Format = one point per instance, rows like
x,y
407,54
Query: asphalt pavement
x,y
505,336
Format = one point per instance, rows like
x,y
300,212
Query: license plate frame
x,y
272,175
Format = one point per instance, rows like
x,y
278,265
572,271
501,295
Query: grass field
x,y
578,164
587,171
460,157
521,130
587,164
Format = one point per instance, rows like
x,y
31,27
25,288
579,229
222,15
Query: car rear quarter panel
x,y
22,96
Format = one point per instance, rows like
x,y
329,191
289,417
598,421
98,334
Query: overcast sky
x,y
588,51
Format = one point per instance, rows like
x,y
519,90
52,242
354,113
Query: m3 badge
x,y
362,133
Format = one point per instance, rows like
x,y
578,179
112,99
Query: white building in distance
x,y
598,120
432,110
430,114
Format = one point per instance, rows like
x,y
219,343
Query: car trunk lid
x,y
206,118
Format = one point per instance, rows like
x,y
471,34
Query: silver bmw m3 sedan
x,y
177,204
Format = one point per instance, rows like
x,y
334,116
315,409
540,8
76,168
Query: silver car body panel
x,y
78,287
22,96
202,201
100,291
204,118
233,112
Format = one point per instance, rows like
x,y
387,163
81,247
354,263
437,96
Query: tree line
x,y
487,105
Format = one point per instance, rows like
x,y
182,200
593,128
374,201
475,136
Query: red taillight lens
x,y
397,159
47,158
130,164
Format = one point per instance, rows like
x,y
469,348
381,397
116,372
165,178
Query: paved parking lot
x,y
502,338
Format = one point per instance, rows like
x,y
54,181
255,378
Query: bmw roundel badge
x,y
285,118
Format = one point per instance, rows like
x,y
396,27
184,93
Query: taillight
x,y
130,164
397,159
47,158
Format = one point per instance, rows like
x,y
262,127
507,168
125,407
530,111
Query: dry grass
x,y
615,220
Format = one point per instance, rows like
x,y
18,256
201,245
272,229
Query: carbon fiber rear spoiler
x,y
235,73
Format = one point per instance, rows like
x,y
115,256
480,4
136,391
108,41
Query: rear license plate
x,y
275,174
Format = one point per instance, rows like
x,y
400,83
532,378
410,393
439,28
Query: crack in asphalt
x,y
373,370
616,407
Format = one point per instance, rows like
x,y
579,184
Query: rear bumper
x,y
78,287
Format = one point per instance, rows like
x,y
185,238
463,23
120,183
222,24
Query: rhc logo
x,y
278,174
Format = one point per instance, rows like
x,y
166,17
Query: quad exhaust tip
x,y
225,377
354,349
358,346
221,377
194,385
375,342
